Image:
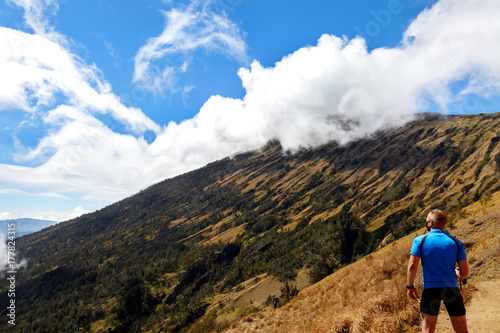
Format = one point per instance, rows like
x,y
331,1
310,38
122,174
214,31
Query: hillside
x,y
217,241
369,295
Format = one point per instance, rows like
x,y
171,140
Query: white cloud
x,y
339,91
15,191
336,90
53,216
38,68
185,92
186,30
45,215
110,48
36,71
37,14
4,258
5,215
454,40
87,158
43,78
113,53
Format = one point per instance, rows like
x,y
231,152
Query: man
x,y
439,252
275,301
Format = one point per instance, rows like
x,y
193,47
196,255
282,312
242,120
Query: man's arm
x,y
463,266
411,273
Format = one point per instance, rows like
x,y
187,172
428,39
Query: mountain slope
x,y
369,295
162,258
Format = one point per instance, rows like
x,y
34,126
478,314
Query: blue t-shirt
x,y
440,256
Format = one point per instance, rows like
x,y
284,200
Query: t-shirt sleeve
x,y
415,248
461,254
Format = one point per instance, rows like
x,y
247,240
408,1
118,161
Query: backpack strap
x,y
421,249
422,246
456,243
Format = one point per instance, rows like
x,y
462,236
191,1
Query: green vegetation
x,y
369,295
157,260
288,292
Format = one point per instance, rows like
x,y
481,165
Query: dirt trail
x,y
483,311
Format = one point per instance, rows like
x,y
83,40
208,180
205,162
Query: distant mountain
x,y
215,242
24,226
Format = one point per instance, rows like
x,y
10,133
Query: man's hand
x,y
412,293
412,271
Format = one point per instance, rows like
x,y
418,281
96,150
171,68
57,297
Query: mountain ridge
x,y
24,226
178,244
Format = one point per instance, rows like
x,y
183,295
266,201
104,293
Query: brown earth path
x,y
483,311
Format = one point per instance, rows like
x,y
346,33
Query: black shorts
x,y
431,301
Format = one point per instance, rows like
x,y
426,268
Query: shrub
x,y
319,272
265,223
288,292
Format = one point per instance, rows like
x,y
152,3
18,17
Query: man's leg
x,y
429,309
454,303
428,323
459,324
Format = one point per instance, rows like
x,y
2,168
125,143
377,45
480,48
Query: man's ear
x,y
427,225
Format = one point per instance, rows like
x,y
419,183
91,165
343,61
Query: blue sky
x,y
102,98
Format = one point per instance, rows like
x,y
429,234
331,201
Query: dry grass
x,y
361,298
369,296
227,236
